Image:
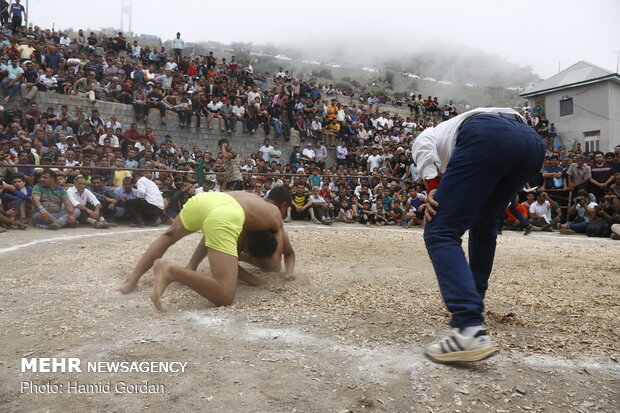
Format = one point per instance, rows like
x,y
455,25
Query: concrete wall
x,y
595,107
204,138
614,115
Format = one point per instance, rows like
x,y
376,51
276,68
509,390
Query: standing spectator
x,y
17,14
602,175
579,174
4,12
177,47
320,154
48,199
234,179
265,149
275,154
341,153
149,203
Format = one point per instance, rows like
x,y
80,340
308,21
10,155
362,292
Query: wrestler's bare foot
x,y
128,285
161,269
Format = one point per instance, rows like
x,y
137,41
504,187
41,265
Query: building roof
x,y
578,74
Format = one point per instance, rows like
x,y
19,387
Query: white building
x,y
583,101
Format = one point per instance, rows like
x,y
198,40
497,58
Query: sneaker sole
x,y
463,356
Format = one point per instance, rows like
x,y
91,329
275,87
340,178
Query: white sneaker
x,y
456,348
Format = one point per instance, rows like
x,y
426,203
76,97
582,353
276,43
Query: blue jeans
x,y
10,90
578,226
493,158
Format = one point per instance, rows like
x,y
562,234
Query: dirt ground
x,y
345,336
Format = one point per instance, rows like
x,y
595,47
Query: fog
x,y
544,35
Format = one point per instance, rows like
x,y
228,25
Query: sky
x,y
546,35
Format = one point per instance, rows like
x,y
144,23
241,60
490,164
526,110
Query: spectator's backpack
x,y
598,228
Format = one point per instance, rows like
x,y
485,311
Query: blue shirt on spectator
x,y
553,183
17,9
120,192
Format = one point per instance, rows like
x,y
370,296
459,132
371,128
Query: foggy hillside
x,y
446,70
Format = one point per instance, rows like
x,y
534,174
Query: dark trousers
x,y
162,110
16,23
140,210
493,158
141,110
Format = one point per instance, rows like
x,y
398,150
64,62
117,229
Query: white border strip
x,y
416,231
72,237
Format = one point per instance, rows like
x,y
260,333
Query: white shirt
x,y
238,111
374,161
309,153
149,191
84,198
265,151
541,210
433,148
341,152
216,107
116,125
253,95
113,140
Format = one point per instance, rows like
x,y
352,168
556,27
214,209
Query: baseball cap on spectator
x,y
308,144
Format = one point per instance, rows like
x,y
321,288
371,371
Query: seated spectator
x,y
48,199
23,196
85,201
178,199
540,213
148,205
301,208
322,212
416,205
367,213
111,208
11,83
582,210
8,215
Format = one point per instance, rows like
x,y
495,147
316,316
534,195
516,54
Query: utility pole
x,y
128,11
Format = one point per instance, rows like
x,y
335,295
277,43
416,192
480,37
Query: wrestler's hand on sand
x,y
431,204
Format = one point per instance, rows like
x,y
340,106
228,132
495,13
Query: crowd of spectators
x,y
84,163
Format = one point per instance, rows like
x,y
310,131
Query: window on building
x,y
592,140
566,107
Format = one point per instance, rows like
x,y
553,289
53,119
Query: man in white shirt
x,y
113,139
341,153
89,206
177,47
150,203
540,213
375,160
265,149
308,155
482,157
238,112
